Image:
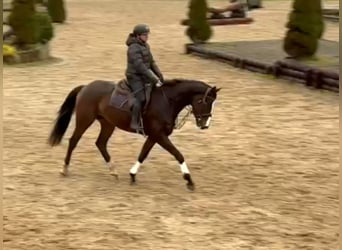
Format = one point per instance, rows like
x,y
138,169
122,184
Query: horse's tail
x,y
64,116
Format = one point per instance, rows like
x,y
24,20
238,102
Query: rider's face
x,y
144,37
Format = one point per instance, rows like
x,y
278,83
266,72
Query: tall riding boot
x,y
135,121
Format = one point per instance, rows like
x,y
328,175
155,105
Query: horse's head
x,y
202,106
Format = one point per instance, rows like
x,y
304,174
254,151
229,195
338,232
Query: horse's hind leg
x,y
83,122
106,132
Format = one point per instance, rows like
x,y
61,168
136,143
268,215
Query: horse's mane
x,y
171,82
176,81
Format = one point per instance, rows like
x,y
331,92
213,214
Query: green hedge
x,y
199,29
22,21
305,28
46,30
29,26
57,11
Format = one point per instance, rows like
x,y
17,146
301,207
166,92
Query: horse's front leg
x,y
148,145
165,142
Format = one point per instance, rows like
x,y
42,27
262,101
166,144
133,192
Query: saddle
x,y
123,97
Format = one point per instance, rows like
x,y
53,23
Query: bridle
x,y
180,123
204,100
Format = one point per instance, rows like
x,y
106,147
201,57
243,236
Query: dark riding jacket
x,y
140,63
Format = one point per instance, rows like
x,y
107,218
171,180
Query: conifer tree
x,y
57,12
305,28
199,29
22,21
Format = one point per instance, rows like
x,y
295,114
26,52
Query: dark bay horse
x,y
91,102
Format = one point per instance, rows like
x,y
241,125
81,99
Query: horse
x,y
92,102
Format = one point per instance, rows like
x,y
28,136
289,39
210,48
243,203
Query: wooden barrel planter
x,y
223,21
39,52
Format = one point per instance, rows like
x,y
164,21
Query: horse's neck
x,y
179,105
182,95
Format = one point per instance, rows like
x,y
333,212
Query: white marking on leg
x,y
184,168
112,168
135,168
65,170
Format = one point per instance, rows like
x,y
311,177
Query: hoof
x,y
64,173
190,186
132,178
115,175
65,170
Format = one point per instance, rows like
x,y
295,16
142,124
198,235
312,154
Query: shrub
x,y
305,28
56,10
199,29
22,21
46,31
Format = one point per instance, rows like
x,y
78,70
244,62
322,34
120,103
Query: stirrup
x,y
141,129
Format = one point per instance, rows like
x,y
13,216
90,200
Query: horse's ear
x,y
215,90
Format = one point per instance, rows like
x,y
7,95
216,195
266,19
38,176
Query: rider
x,y
141,69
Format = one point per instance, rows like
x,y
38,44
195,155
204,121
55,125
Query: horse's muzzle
x,y
203,123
